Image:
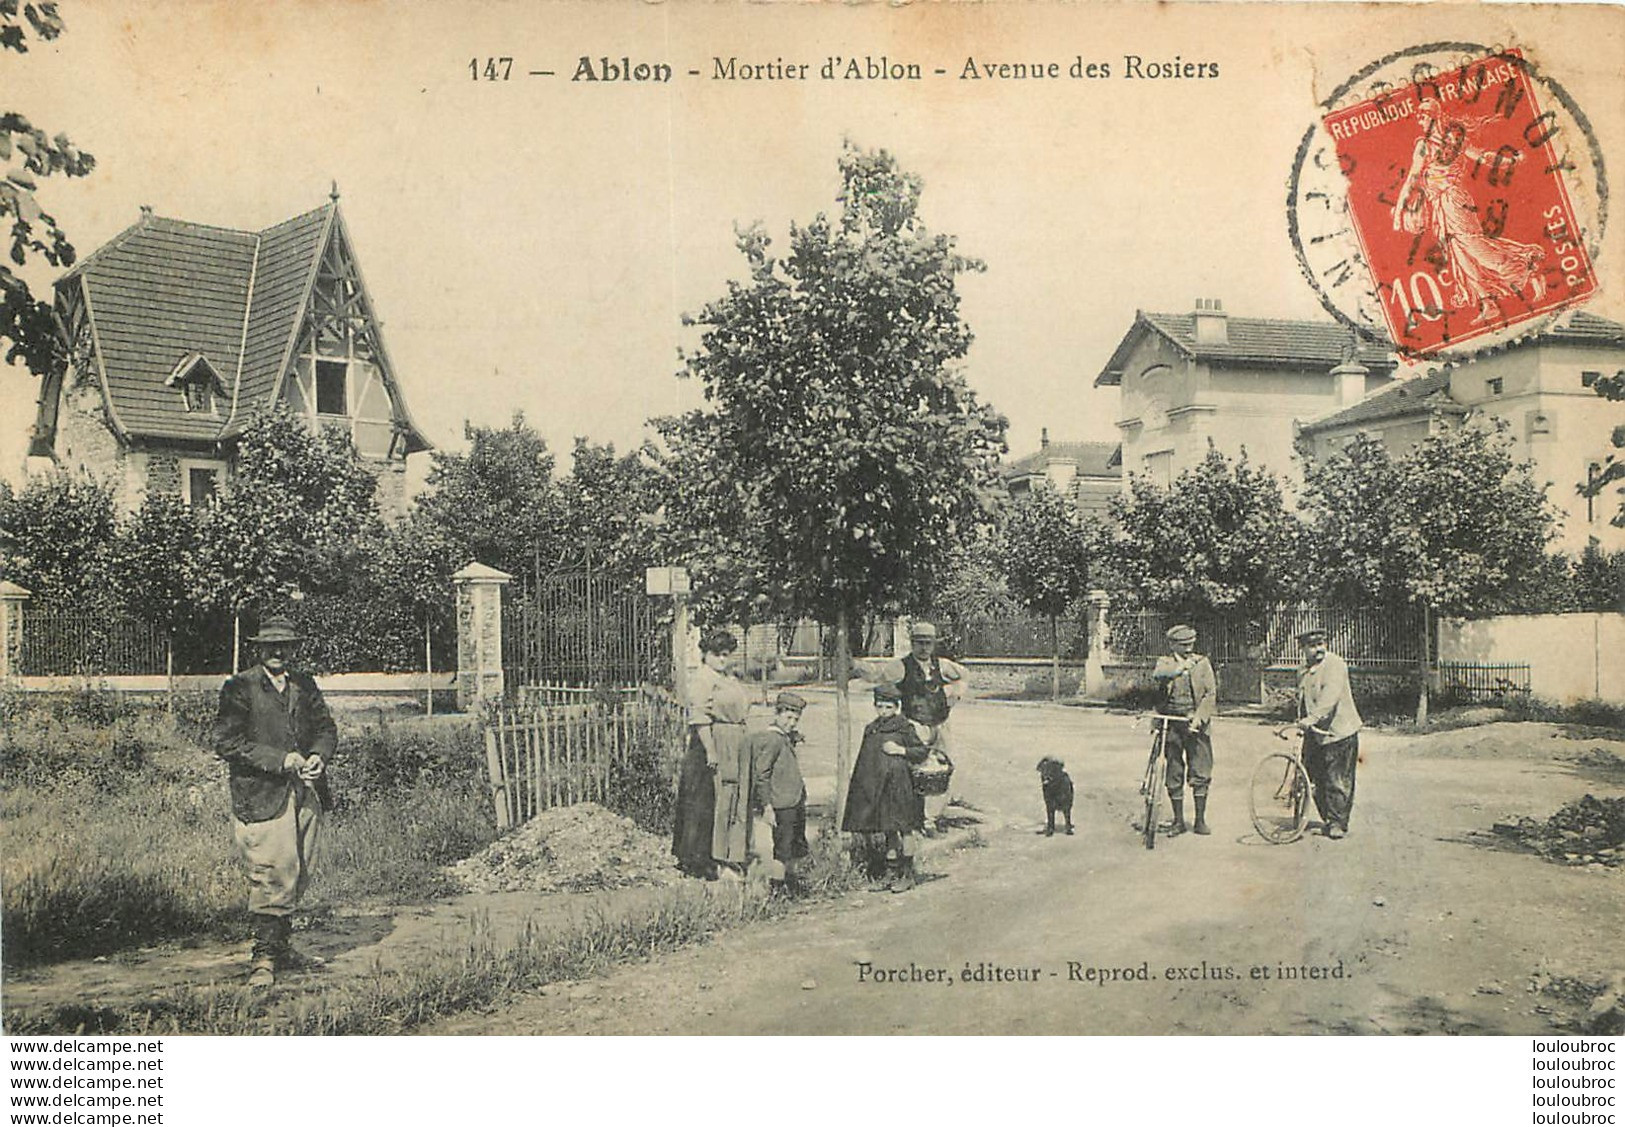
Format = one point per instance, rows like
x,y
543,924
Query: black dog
x,y
1057,792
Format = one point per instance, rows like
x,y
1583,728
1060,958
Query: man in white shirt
x,y
1331,730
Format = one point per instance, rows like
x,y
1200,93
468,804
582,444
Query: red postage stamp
x,y
1458,198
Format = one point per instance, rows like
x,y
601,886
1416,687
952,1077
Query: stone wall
x,y
163,474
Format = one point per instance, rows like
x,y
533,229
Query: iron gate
x,y
583,628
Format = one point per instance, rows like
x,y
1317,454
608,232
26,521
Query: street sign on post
x,y
674,581
665,581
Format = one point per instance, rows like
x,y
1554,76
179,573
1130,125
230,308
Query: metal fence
x,y
59,643
540,757
582,629
1477,681
1368,637
1013,636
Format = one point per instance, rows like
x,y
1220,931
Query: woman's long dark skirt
x,y
695,815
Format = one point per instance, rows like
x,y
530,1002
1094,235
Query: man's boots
x,y
1179,816
289,957
904,880
1201,816
267,940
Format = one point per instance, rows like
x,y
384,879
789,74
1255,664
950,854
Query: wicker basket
x,y
932,776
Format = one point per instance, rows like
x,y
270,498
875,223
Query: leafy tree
x,y
1613,470
972,583
54,539
296,517
1454,525
156,569
27,325
1219,538
841,453
1046,562
613,504
497,504
1599,579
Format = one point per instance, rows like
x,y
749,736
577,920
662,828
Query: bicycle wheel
x,y
1278,798
1152,788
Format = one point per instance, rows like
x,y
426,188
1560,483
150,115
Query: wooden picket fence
x,y
541,756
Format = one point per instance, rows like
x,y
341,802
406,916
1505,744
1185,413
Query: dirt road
x,y
1406,926
1413,924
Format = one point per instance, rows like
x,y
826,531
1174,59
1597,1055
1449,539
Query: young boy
x,y
777,788
881,799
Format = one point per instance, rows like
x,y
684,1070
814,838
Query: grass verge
x,y
479,974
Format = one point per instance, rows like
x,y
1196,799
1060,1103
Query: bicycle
x,y
1278,796
1152,785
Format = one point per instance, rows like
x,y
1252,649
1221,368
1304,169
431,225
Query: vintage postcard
x,y
1117,242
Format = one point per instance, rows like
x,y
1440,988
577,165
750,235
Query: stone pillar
x,y
12,598
901,643
1094,668
479,635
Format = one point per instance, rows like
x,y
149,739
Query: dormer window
x,y
198,383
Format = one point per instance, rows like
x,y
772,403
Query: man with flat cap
x,y
276,736
778,790
1190,691
1331,730
931,685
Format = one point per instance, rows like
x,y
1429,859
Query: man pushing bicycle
x,y
1331,730
1190,691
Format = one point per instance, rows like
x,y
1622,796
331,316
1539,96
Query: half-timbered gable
x,y
179,333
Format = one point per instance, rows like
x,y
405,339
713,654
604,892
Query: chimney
x,y
1043,438
1061,472
1212,324
1348,378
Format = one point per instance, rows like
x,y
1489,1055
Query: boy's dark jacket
x,y
256,728
775,772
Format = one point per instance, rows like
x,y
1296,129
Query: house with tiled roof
x,y
1187,379
1090,473
1541,386
179,333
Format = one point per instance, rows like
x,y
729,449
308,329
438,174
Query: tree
x,y
1610,388
1045,553
1599,579
28,325
613,503
842,454
497,504
296,517
1453,525
1219,538
55,537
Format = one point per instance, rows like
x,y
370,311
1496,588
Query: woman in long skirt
x,y
713,808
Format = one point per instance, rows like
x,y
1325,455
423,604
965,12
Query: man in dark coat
x,y
276,736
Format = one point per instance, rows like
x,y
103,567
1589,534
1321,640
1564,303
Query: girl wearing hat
x,y
881,799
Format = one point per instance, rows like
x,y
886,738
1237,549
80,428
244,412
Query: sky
x,y
531,244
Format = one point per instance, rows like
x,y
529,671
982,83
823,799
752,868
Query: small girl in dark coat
x,y
881,798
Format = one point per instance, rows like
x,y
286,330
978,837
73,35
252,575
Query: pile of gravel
x,y
1590,831
578,848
